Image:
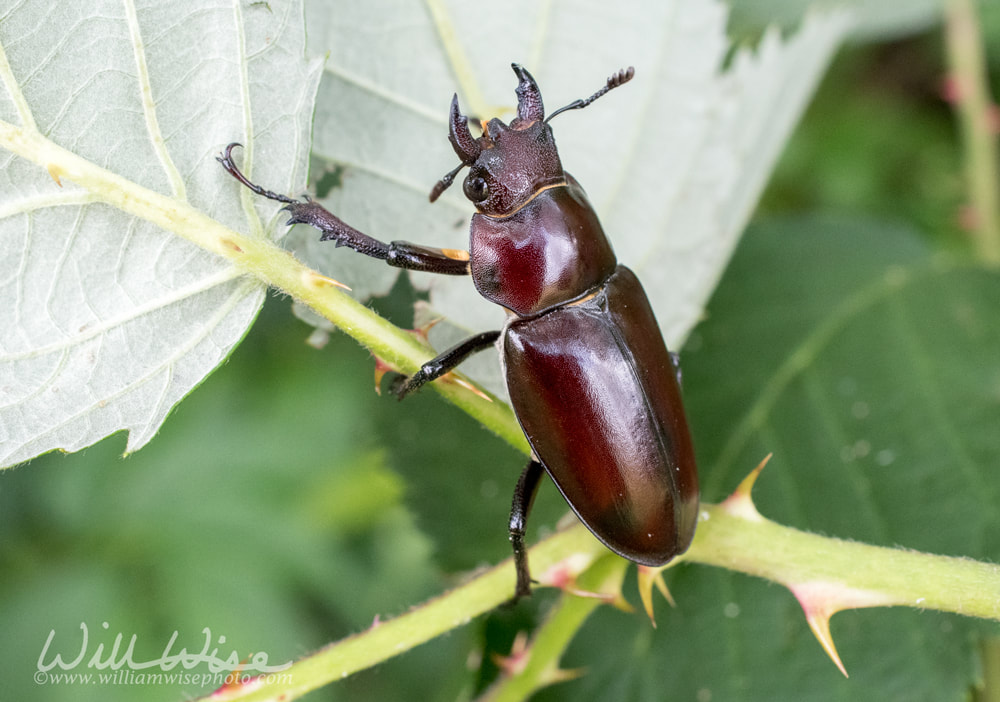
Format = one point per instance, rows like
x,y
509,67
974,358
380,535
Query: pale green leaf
x,y
108,320
674,161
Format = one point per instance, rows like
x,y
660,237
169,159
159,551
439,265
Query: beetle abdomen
x,y
596,393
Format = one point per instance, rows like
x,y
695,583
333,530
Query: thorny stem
x,y
754,546
967,63
553,637
261,258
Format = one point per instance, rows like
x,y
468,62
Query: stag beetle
x,y
589,376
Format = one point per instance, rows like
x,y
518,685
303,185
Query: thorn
x,y
314,279
55,172
968,218
820,600
740,503
237,685
662,587
819,622
381,368
422,332
563,575
515,662
559,675
951,89
461,382
619,602
647,578
231,245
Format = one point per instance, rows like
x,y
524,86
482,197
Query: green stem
x,y
261,258
967,64
385,640
888,576
559,629
873,576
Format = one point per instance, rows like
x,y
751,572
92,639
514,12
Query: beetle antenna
x,y
226,159
620,78
445,182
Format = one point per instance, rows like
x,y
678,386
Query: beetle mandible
x,y
589,376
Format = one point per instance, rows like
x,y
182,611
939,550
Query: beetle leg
x,y
397,253
226,159
524,496
400,254
438,366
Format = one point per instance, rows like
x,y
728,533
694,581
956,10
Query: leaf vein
x,y
459,62
166,365
14,90
246,197
178,295
149,104
387,95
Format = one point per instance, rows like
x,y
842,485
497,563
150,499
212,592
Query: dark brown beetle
x,y
590,379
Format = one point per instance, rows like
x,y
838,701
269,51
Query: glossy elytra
x,y
589,376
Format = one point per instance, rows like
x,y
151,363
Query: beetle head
x,y
509,163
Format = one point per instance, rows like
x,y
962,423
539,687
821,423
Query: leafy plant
x,y
849,348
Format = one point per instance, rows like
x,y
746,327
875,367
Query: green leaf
x,y
229,520
873,20
109,319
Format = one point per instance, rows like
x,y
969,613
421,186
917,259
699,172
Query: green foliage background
x,y
284,504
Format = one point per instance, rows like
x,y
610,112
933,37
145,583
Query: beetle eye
x,y
476,189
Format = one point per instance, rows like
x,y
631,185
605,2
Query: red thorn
x,y
517,660
951,89
968,218
563,575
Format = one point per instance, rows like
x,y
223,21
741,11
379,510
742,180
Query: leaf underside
x,y
109,320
